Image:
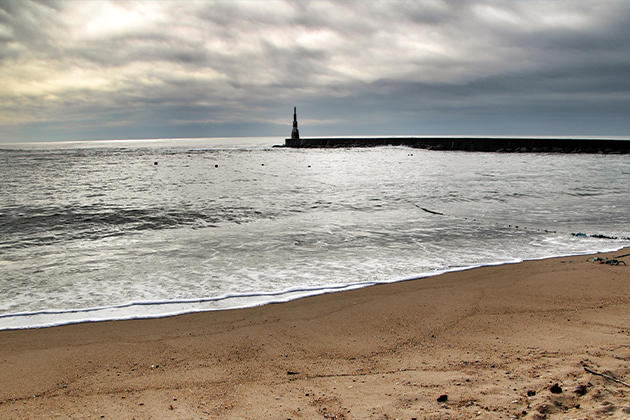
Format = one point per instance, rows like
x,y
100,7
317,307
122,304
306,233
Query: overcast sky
x,y
81,70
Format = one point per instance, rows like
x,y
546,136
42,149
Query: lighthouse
x,y
295,134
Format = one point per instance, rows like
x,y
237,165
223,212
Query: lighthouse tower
x,y
295,134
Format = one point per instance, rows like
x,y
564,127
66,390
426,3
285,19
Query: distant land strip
x,y
473,144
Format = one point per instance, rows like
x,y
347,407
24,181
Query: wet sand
x,y
491,342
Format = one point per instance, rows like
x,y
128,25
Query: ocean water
x,y
134,229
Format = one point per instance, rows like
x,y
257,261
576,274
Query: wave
x,y
41,225
167,308
160,309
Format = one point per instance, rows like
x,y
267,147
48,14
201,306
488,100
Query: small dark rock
x,y
290,372
442,398
556,389
581,389
531,392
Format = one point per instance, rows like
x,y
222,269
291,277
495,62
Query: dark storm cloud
x,y
80,67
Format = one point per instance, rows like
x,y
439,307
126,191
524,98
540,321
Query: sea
x,y
111,230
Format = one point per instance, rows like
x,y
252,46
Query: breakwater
x,y
473,144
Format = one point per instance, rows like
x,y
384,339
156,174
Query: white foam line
x,y
107,313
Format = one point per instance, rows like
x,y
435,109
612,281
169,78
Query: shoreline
x,y
489,342
104,314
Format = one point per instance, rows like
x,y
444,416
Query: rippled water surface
x,y
148,228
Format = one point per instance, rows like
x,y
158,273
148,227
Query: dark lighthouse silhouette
x,y
295,134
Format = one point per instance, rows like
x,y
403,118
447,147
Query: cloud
x,y
71,65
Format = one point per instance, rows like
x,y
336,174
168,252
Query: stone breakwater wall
x,y
473,144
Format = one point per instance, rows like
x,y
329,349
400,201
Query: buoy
x,y
216,166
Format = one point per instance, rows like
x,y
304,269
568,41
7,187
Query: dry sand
x,y
492,340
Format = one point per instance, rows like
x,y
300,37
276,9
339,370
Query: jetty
x,y
473,144
516,144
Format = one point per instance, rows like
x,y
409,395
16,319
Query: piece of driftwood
x,y
431,211
586,368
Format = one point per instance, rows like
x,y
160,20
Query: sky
x,y
95,70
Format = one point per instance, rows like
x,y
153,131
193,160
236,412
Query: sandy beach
x,y
512,341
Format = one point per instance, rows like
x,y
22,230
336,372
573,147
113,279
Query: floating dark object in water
x,y
600,236
155,163
431,211
603,236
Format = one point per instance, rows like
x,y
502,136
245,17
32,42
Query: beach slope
x,y
511,341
